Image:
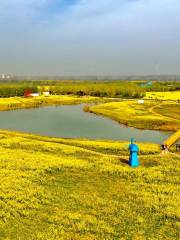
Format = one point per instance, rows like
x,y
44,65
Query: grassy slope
x,y
79,189
142,115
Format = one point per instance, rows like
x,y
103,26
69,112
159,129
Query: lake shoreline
x,y
131,126
15,103
72,122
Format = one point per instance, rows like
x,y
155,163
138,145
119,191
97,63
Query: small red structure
x,y
27,93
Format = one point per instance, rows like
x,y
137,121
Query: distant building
x,y
146,84
141,101
34,95
5,76
47,93
28,93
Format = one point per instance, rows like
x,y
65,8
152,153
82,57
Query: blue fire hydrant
x,y
133,159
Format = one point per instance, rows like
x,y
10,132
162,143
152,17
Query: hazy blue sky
x,y
90,37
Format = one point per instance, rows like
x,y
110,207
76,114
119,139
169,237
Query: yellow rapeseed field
x,y
80,189
175,95
31,102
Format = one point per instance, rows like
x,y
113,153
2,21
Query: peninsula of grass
x,y
80,189
13,103
153,115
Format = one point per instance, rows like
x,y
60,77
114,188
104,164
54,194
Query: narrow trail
x,y
125,157
58,141
151,110
98,153
161,154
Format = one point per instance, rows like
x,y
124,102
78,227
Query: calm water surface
x,y
72,122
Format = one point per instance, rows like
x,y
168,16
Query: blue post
x,y
133,159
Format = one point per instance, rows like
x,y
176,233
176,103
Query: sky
x,y
89,37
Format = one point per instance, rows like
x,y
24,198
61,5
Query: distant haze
x,y
90,37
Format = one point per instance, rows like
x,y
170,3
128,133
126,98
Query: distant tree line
x,y
163,86
12,90
124,89
108,89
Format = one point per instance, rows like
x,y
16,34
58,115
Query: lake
x,y
72,122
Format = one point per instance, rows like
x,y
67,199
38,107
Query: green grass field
x,y
150,115
80,189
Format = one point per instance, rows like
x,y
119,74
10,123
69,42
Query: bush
x,y
86,108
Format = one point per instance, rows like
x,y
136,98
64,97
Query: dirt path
x,y
151,110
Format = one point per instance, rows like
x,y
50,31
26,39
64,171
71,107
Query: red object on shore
x,y
27,93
